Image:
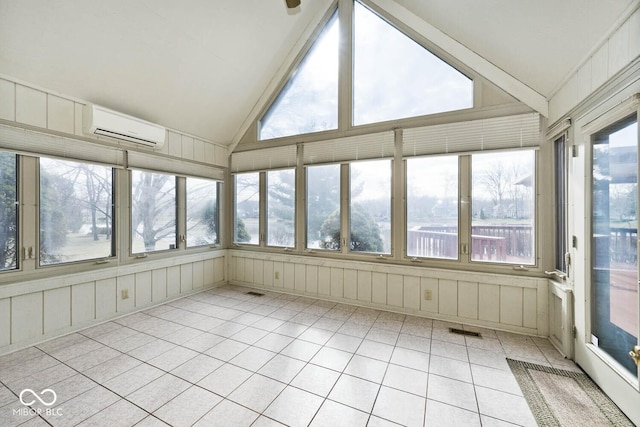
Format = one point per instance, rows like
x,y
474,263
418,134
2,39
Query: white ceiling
x,y
200,66
537,41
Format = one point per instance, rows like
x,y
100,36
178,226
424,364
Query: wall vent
x,y
255,294
463,332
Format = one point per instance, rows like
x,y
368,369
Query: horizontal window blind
x,y
139,160
264,159
372,146
33,143
625,108
518,131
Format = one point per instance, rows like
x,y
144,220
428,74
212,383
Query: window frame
x,y
333,14
424,46
399,210
346,238
234,207
345,11
560,200
266,209
28,173
114,218
534,223
459,189
217,204
145,253
306,208
18,213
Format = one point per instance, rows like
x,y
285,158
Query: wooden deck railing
x,y
511,242
488,242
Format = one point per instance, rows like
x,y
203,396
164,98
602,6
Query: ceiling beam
x,y
477,63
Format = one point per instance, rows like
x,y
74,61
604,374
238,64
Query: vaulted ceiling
x,y
200,66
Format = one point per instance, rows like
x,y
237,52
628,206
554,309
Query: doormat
x,y
564,398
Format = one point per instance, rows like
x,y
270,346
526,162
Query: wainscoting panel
x,y
617,51
37,107
37,310
505,302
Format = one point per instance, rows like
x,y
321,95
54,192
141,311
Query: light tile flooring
x,y
226,358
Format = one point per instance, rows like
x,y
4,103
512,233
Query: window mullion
x,y
28,215
115,218
345,64
181,214
221,202
123,214
464,209
398,202
300,202
345,197
262,220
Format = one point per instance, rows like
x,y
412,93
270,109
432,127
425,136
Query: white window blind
x,y
33,143
372,146
264,159
618,112
518,131
140,160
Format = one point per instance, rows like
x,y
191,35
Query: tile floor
x,y
226,358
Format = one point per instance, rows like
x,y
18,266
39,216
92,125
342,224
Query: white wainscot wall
x,y
505,302
21,104
561,317
36,310
621,48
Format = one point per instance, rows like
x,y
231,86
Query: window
x,y
309,100
203,219
370,206
76,211
503,206
247,208
281,201
560,183
153,212
8,211
323,207
432,207
614,240
386,68
391,69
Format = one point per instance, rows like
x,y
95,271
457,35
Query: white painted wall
x,y
620,49
43,303
22,104
35,310
512,303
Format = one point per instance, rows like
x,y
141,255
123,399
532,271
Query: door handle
x,y
635,354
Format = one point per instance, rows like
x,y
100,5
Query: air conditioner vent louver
x,y
101,121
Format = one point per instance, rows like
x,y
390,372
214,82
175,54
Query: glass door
x,y
614,243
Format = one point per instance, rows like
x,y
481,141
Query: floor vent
x,y
255,294
463,332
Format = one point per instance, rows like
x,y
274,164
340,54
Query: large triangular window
x,y
396,78
309,101
393,78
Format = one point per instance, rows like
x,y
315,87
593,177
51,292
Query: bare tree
x,y
516,189
153,210
98,186
496,180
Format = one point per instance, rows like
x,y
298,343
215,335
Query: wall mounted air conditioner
x,y
102,121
